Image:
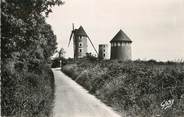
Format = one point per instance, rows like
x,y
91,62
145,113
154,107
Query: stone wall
x,y
80,47
103,52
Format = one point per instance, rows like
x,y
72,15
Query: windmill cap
x,y
121,37
81,32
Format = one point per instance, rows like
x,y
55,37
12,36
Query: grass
x,y
133,88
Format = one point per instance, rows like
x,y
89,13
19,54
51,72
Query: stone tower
x,y
121,47
80,43
103,51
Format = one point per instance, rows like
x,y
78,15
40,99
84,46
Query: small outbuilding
x,y
103,51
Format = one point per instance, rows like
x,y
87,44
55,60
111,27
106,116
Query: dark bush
x,y
27,94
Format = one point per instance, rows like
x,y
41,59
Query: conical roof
x,y
121,37
81,32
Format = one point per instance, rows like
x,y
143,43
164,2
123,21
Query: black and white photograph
x,y
92,58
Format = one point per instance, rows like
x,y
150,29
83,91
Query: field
x,y
133,88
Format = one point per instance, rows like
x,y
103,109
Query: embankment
x,y
137,88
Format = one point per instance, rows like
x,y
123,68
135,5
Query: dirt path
x,y
74,101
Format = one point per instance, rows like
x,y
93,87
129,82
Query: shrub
x,y
27,94
135,88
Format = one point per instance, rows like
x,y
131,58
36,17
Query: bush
x,y
27,94
135,88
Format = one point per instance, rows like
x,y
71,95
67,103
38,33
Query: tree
x,y
59,60
91,57
27,44
24,26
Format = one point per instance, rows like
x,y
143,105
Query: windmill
x,y
80,38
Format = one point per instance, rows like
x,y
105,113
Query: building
x,y
80,43
103,51
121,47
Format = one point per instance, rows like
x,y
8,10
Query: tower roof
x,y
81,32
121,37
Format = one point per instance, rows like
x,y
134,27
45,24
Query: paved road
x,y
74,101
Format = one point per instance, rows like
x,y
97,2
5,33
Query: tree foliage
x,y
58,60
24,27
27,44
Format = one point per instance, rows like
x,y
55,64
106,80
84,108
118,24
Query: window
x,y
104,55
104,50
118,44
80,50
80,44
80,38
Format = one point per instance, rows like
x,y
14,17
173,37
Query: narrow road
x,y
74,101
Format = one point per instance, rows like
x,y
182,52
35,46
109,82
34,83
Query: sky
x,y
156,27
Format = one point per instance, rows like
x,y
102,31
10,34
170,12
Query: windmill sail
x,y
93,45
70,38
